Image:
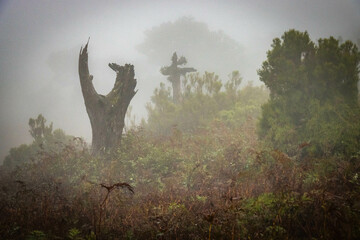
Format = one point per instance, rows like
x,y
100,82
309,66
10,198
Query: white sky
x,y
31,30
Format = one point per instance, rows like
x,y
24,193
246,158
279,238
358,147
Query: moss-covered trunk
x,y
106,113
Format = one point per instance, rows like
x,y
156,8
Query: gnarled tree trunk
x,y
106,113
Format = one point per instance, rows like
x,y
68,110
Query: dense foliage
x,y
205,99
197,169
313,95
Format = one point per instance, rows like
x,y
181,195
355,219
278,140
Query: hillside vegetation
x,y
230,161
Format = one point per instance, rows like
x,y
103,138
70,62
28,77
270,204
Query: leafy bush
x,y
313,95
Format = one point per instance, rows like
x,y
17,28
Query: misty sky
x,y
40,41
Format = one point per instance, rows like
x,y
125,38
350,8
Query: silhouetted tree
x,y
106,113
175,72
45,139
38,129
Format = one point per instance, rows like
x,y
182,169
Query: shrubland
x,y
227,162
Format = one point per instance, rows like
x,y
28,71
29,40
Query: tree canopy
x,y
213,50
313,94
45,139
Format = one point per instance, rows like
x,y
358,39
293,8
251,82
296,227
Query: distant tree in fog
x,y
175,72
45,139
212,50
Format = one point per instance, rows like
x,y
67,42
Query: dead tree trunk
x,y
106,113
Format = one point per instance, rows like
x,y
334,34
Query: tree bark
x,y
106,113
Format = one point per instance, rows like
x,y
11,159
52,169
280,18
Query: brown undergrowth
x,y
215,183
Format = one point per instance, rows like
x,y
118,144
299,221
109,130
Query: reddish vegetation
x,y
212,184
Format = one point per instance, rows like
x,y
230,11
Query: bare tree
x,y
106,113
175,72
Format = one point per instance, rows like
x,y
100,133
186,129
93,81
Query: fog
x,y
40,43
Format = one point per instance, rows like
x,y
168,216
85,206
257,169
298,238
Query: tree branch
x,y
87,87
